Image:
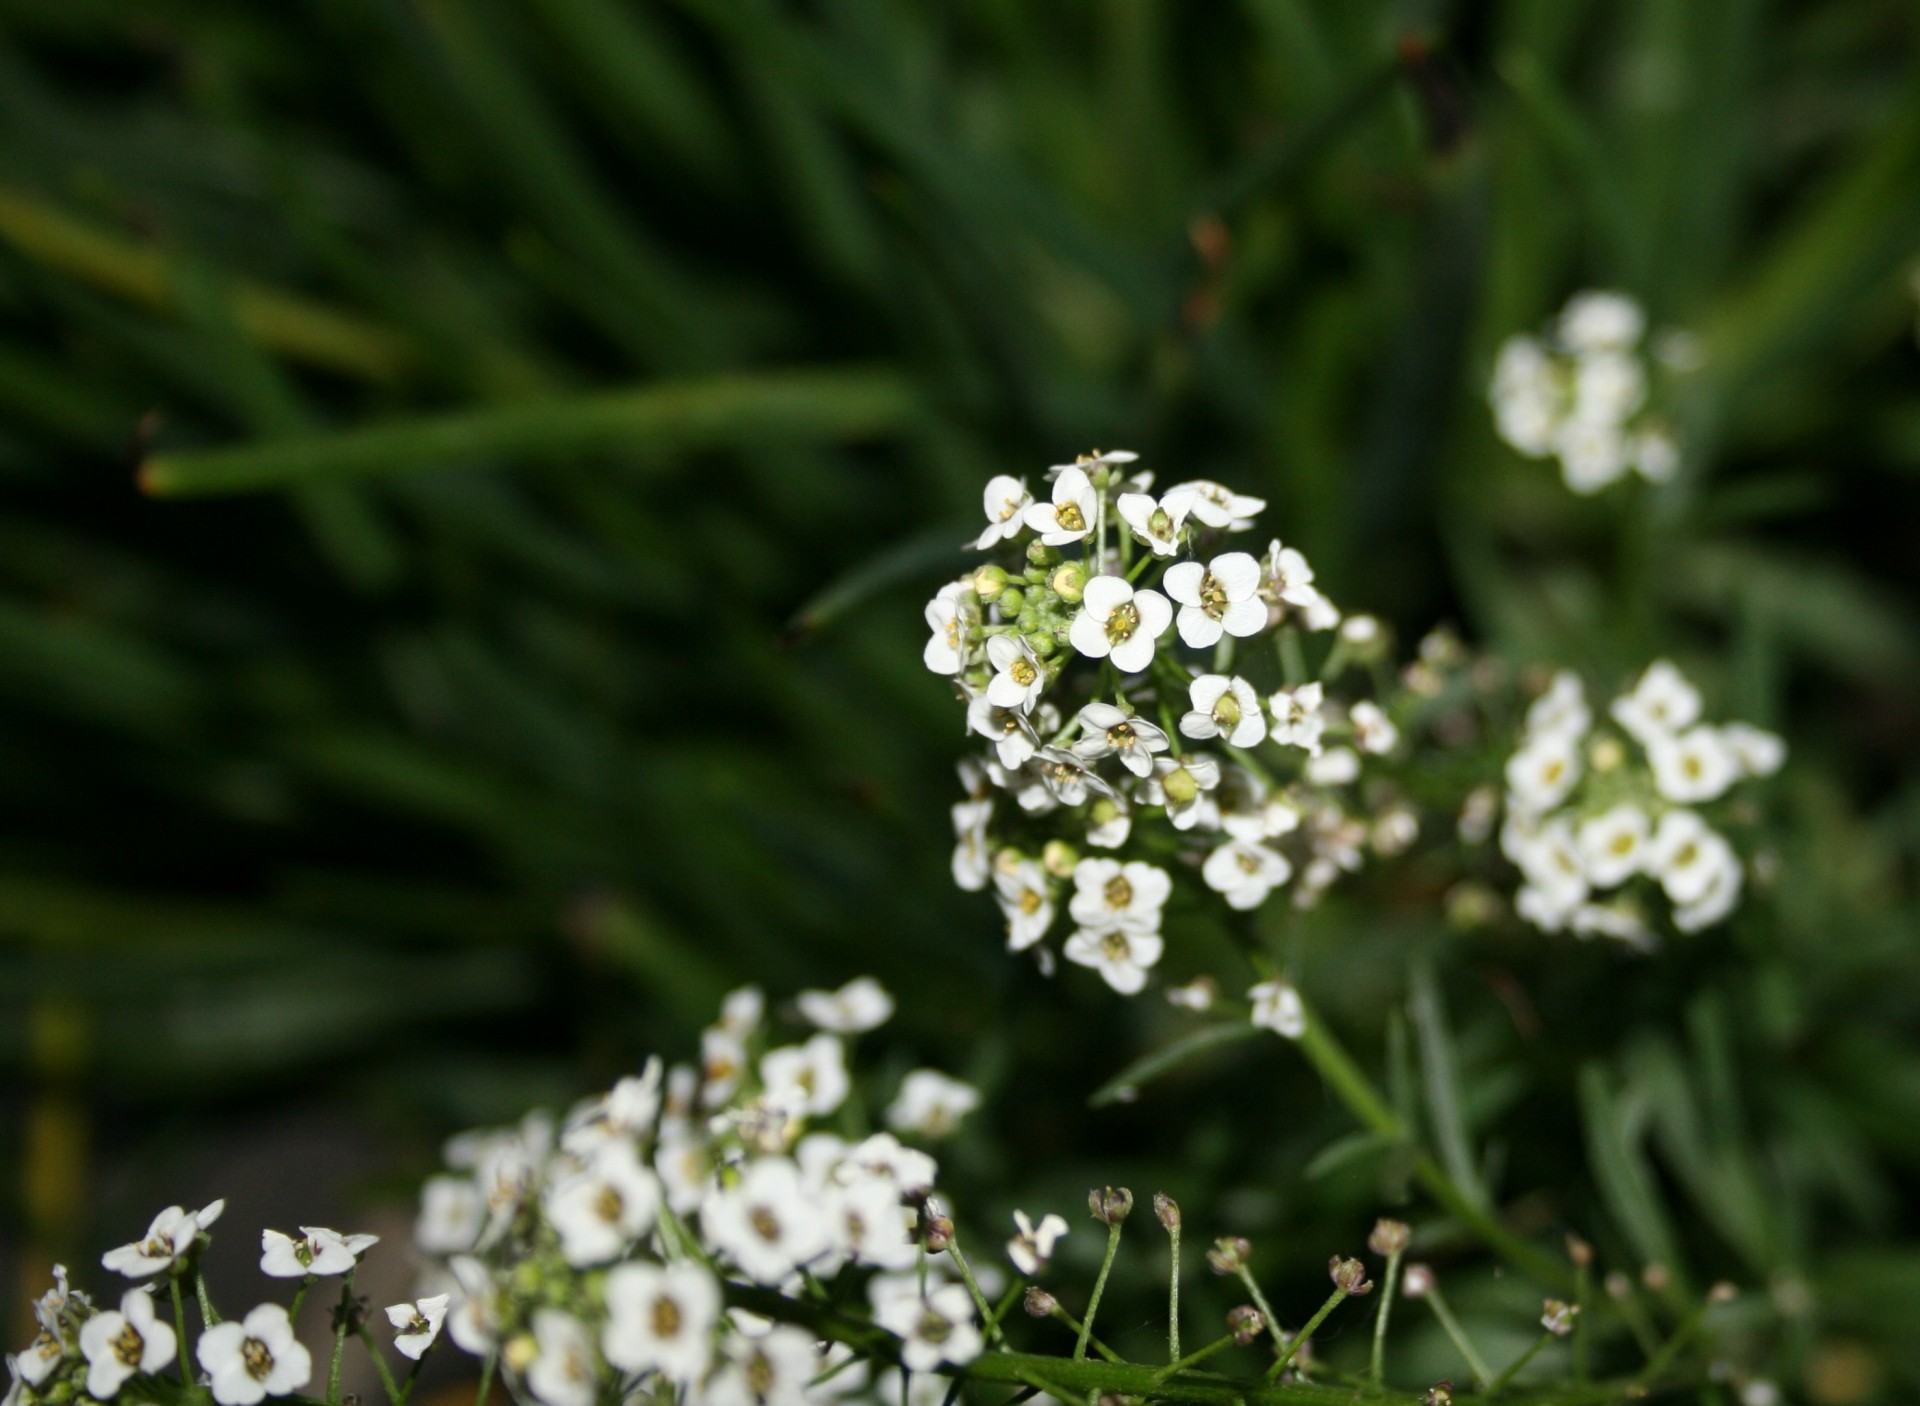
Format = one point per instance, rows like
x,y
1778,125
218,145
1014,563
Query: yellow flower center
x,y
1070,518
1119,892
258,1361
1123,622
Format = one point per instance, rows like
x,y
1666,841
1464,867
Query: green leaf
x,y
1123,1086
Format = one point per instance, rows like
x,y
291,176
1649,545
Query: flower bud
x,y
1230,1254
989,581
1417,1281
1557,1316
1606,754
1349,1276
519,1352
1041,1304
1246,1323
1439,1395
1165,1207
938,1234
1040,554
1069,581
1044,643
1618,1286
1389,1237
1012,601
1110,1205
1059,858
1657,1277
1579,1251
1722,1292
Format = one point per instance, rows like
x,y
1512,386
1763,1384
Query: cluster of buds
x,y
1152,703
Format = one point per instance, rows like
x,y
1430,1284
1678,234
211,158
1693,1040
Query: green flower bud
x,y
1111,1204
1044,643
989,581
1012,600
1059,858
1040,554
1069,581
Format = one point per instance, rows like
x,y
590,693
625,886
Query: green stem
x,y
1099,1288
486,1379
1292,1349
1060,1313
1454,1331
1173,1295
299,1297
180,1327
342,1317
1499,1383
1260,1302
209,1315
1670,1350
1293,660
1388,1288
1582,1292
973,1287
1638,1323
1190,1359
380,1365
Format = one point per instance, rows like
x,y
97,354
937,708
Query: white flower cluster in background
x,y
1604,813
1154,702
593,1255
1582,393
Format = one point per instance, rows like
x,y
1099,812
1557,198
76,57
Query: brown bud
x,y
1110,1205
938,1233
1417,1282
1246,1323
1557,1317
1041,1304
1230,1254
1441,1395
1657,1277
1389,1237
1722,1292
1165,1207
1579,1251
1618,1286
1349,1276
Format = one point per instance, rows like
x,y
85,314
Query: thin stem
x,y
486,1379
1060,1313
1190,1359
1388,1287
1260,1302
380,1365
343,1316
413,1375
1513,1368
1099,1288
973,1287
180,1327
1453,1330
1670,1350
1638,1323
209,1315
299,1297
1582,1291
1007,1301
1173,1294
1288,1353
1293,660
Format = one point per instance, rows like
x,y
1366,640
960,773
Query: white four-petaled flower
x,y
1223,595
1118,622
119,1344
168,1238
1157,522
1224,707
416,1325
319,1252
1106,731
1033,1246
660,1318
1072,511
254,1358
1277,1007
931,1104
1006,500
862,1004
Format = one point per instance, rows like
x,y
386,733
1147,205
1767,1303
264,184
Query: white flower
x,y
1026,898
1033,1246
970,862
1660,704
1716,900
1608,387
813,1074
169,1238
1106,731
766,1223
1246,873
1338,766
1197,995
931,1104
416,1326
1598,321
1688,858
1297,719
1012,735
1067,778
1373,730
770,1369
1543,772
660,1318
742,1010
910,1170
1181,785
723,1064
1218,506
684,1163
627,1110
452,1211
473,1322
1071,514
1593,454
1526,396
254,1358
1223,595
1277,1007
564,1371
1616,920
933,1330
36,1362
869,1225
1613,845
1695,766
1109,822
603,1208
1655,455
1018,677
949,617
117,1345
1120,955
1005,500
862,1004
1109,894
1759,752
1553,864
1118,622
1224,707
319,1252
1562,709
1157,523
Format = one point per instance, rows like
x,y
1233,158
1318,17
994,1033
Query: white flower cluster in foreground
x,y
1153,701
1580,394
1603,812
594,1255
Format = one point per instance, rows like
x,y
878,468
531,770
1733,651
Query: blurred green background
x,y
554,413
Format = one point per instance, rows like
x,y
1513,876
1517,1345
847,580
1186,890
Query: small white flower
x,y
1106,731
1759,752
1616,920
416,1326
1071,514
1554,866
1593,454
767,1224
1245,873
254,1358
1224,707
1716,900
1018,676
168,1238
1613,845
1182,784
971,865
1033,1246
1394,831
1109,822
768,1369
1608,387
319,1252
1695,766
604,1207
1598,321
1118,622
1526,396
933,1330
1688,858
741,1011
869,1225
1277,1007
1655,455
1026,898
1543,772
723,1058
627,1110
1218,506
931,1104
813,1074
1067,779
1110,894
1561,710
1012,734
452,1212
1158,523
950,618
1006,500
1122,956
661,1318
862,1004
1223,595
1337,766
910,1170
1373,730
564,1371
35,1363
118,1345
1660,704
473,1322
1197,995
1297,719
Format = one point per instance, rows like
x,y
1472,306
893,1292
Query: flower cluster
x,y
1612,807
1580,394
1146,694
594,1255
